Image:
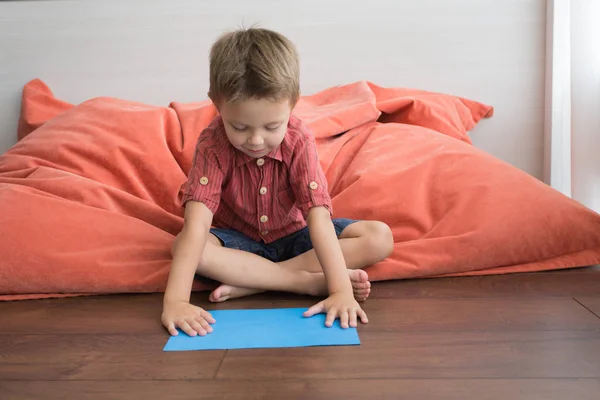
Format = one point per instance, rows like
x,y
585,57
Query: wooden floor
x,y
530,336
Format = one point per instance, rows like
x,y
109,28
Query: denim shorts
x,y
280,250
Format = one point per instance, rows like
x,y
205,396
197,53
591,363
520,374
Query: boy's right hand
x,y
187,317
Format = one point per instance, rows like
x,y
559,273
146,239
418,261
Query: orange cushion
x,y
88,197
454,209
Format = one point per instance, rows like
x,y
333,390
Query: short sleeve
x,y
307,177
205,178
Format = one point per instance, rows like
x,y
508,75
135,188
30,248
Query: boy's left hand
x,y
342,305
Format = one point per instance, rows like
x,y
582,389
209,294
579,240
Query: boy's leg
x,y
238,268
363,243
241,268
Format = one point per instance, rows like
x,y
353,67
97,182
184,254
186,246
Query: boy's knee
x,y
205,260
381,239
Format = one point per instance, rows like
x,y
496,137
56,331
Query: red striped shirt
x,y
266,198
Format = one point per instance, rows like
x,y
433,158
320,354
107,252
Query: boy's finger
x,y
207,316
344,318
330,317
197,327
204,324
363,316
353,318
184,326
316,309
172,330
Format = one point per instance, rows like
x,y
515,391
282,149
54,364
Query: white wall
x,y
585,102
156,51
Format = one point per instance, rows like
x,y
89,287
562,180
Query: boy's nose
x,y
255,140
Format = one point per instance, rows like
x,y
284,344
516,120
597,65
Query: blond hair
x,y
253,63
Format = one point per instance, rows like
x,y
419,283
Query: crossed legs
x,y
242,273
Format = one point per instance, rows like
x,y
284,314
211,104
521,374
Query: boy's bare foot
x,y
360,284
359,278
226,292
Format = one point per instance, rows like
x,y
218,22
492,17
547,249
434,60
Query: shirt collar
x,y
242,158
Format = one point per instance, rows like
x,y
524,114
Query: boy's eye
x,y
239,128
273,128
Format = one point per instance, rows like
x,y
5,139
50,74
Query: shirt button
x,y
260,162
264,219
204,181
264,233
263,190
313,185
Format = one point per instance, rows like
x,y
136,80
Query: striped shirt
x,y
266,198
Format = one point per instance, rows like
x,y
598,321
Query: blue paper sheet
x,y
265,328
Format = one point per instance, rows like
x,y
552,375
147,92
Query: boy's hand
x,y
342,305
187,317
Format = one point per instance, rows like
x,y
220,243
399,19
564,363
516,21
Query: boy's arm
x,y
328,251
177,310
188,252
341,301
309,184
201,197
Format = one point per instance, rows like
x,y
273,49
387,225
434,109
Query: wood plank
x,y
562,283
477,315
591,303
113,314
423,389
129,314
456,314
528,354
111,357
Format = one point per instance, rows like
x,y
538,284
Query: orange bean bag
x,y
89,196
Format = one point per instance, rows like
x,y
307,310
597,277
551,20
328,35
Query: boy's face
x,y
256,126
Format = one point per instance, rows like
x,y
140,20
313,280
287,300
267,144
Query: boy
x,y
256,177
